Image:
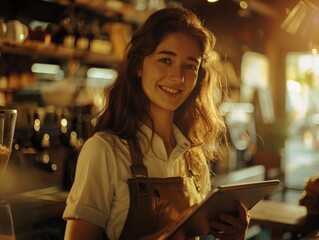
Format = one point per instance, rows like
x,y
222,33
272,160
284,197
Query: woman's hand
x,y
231,228
228,228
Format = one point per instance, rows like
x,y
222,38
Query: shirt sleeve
x,y
89,198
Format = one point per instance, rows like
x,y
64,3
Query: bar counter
x,y
37,199
281,217
38,214
37,195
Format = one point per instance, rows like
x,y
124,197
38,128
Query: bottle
x,y
101,42
3,28
81,32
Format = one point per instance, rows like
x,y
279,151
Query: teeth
x,y
170,90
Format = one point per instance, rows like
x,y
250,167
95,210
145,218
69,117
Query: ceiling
x,y
234,30
273,9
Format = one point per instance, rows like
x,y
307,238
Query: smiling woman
x,y
146,163
169,74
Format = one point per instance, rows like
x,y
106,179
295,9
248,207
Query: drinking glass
x,y
6,223
7,127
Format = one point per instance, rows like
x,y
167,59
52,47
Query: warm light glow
x,y
212,1
314,51
21,37
45,68
293,86
16,146
64,122
309,63
100,77
45,158
315,118
301,84
243,4
255,70
46,137
73,134
36,125
101,73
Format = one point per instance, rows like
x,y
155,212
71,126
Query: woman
x,y
146,163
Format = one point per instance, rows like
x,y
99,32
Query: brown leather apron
x,y
154,202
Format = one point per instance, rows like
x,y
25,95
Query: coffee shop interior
x,y
56,57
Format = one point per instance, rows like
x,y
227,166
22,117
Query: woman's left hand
x,y
230,227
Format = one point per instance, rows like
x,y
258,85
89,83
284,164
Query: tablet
x,y
223,199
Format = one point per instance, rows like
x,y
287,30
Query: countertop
x,y
36,197
283,216
35,208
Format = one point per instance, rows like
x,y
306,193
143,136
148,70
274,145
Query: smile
x,y
169,90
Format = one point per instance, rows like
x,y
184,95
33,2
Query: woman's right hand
x,y
230,227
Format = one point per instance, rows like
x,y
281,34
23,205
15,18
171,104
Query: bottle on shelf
x,y
100,40
3,28
81,32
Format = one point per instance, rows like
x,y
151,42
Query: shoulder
x,y
101,145
102,140
104,152
105,145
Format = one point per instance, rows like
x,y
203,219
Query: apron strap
x,y
138,168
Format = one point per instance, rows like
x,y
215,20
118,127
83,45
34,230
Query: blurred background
x,y
56,57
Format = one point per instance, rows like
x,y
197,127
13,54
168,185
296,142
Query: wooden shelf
x,y
37,49
111,8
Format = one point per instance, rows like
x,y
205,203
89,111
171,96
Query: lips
x,y
170,90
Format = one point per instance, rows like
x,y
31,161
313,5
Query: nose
x,y
177,74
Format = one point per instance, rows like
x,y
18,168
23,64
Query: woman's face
x,y
170,73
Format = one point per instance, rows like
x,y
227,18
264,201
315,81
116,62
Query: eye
x,y
192,67
165,60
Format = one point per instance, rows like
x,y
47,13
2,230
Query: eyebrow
x,y
196,60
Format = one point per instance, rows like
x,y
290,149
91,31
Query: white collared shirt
x,y
100,190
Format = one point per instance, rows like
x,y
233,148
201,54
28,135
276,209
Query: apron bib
x,y
154,202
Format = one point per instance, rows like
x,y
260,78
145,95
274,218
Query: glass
x,y
6,222
7,127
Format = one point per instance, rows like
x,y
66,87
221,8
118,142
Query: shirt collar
x,y
146,133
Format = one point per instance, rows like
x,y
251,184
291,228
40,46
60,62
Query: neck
x,y
163,126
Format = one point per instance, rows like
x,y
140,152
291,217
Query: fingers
x,y
230,227
244,215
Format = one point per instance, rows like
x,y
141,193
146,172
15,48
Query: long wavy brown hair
x,y
128,107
